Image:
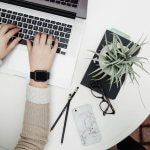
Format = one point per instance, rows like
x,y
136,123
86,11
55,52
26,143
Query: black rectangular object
x,y
86,81
42,8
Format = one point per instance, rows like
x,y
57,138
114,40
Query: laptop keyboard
x,y
70,3
31,25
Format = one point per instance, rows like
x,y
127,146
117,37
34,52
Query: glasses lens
x,y
96,90
96,94
104,106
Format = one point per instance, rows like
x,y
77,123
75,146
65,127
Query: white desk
x,y
132,17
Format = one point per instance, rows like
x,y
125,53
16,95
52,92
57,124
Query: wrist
x,y
38,84
1,57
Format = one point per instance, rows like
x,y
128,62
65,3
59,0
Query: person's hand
x,y
6,33
41,55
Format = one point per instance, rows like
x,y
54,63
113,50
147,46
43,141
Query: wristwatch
x,y
39,75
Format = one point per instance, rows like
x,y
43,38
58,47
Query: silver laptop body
x,y
68,18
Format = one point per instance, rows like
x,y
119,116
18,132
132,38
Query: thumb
x,y
13,44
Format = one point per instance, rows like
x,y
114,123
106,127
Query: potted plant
x,y
116,60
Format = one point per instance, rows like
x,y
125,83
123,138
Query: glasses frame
x,y
104,99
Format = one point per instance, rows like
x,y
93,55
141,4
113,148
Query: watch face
x,y
41,76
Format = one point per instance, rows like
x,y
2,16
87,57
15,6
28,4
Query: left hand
x,y
7,31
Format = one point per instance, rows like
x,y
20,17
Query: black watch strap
x,y
40,75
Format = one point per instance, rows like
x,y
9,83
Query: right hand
x,y
41,54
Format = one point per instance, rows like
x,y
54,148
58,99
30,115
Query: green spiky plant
x,y
117,60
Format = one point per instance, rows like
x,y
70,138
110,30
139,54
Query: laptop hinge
x,y
42,8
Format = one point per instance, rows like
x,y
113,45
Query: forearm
x,y
36,120
34,135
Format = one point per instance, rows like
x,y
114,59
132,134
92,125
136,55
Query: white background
x,y
131,17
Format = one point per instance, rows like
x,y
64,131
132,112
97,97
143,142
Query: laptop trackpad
x,y
17,61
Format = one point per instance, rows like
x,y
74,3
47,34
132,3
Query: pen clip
x,y
70,96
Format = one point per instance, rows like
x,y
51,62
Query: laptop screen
x,y
77,6
68,8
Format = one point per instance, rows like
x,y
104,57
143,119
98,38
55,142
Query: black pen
x,y
74,92
67,111
65,122
69,100
53,126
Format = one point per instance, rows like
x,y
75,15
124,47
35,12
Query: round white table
x,y
132,104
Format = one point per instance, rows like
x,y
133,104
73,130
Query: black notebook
x,y
114,90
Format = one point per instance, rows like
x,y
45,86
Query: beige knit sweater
x,y
35,130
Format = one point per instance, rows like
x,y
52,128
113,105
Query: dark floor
x,y
142,134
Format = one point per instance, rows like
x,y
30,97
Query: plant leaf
x,y
121,44
97,70
106,41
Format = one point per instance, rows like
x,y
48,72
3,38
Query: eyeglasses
x,y
105,105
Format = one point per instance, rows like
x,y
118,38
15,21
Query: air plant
x,y
117,60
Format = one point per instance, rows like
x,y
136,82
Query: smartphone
x,y
86,125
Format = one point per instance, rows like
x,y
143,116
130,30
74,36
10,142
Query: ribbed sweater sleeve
x,y
35,130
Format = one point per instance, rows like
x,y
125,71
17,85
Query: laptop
x,y
64,19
